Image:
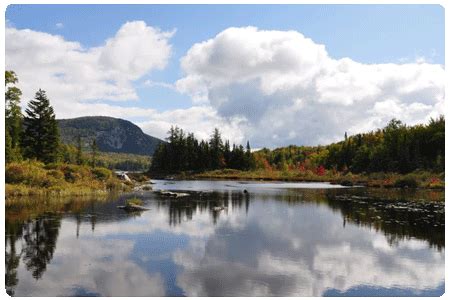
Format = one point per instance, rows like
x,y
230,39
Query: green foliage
x,y
185,153
13,118
395,148
101,173
94,151
41,137
407,181
114,161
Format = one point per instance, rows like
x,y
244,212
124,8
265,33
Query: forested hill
x,y
111,135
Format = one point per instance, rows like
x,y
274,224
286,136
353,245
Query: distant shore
x,y
418,179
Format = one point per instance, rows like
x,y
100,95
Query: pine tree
x,y
79,153
41,136
216,148
249,161
94,150
13,117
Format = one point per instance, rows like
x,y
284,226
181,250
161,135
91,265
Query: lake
x,y
276,239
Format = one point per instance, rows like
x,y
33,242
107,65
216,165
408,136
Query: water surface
x,y
278,239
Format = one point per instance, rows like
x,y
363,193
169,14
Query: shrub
x,y
113,184
29,173
101,173
73,173
407,181
58,174
15,173
134,201
346,182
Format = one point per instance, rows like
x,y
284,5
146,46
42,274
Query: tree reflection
x,y
40,237
214,203
397,219
12,258
398,214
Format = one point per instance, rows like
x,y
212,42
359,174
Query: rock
x,y
245,192
218,208
123,176
132,207
172,194
143,187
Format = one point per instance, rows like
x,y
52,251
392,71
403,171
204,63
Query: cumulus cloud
x,y
200,120
270,87
71,73
290,90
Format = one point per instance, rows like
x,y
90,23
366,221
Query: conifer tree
x,y
41,136
13,118
94,150
79,153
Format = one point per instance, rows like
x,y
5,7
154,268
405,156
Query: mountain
x,y
111,135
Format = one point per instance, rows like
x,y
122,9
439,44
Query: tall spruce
x,y
13,118
94,149
79,153
41,135
183,152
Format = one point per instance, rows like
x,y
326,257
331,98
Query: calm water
x,y
279,239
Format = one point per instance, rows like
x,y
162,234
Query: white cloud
x,y
271,87
201,120
59,25
71,73
290,90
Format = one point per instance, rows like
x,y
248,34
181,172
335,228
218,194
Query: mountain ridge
x,y
111,134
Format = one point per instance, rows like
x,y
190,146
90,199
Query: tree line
x,y
184,152
395,148
35,134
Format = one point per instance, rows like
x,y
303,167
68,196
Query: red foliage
x,y
266,164
320,170
301,167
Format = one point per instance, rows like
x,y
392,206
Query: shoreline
x,y
413,180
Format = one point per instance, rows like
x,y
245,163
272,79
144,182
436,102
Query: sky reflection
x,y
282,244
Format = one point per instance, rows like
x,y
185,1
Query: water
x,y
279,239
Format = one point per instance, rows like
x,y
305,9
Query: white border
x,y
4,5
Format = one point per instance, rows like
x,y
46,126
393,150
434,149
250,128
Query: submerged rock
x,y
133,207
172,194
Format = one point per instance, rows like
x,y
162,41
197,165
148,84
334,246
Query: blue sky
x,y
368,34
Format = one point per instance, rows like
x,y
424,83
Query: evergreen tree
x,y
94,150
41,136
249,163
79,154
185,153
216,149
13,117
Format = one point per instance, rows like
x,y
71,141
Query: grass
x,y
417,179
33,178
134,201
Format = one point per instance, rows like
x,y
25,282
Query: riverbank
x,y
418,179
33,178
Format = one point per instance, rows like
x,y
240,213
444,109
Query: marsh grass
x,y
134,201
33,178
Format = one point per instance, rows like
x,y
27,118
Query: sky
x,y
272,74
